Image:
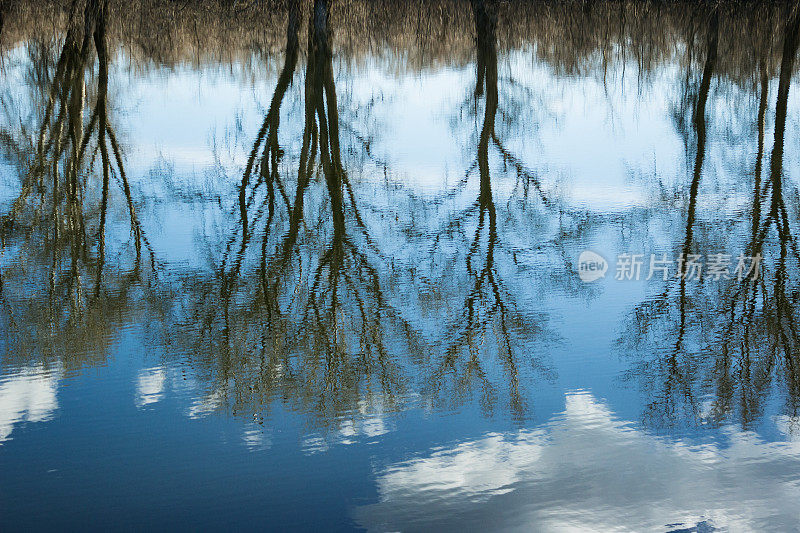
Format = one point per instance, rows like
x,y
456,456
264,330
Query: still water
x,y
316,266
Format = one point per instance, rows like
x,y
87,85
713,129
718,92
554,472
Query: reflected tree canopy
x,y
727,347
66,156
335,281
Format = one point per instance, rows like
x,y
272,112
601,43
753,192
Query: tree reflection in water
x,y
309,300
312,302
56,226
734,342
305,316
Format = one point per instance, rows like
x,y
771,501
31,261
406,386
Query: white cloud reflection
x,y
587,470
257,438
150,386
28,395
365,423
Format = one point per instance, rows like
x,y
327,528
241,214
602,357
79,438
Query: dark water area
x,y
431,265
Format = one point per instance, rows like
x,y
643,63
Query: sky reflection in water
x,y
329,287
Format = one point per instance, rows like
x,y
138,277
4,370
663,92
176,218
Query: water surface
x,y
318,267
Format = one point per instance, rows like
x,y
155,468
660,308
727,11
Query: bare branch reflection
x,y
735,340
58,221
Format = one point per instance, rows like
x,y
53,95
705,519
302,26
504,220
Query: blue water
x,y
393,333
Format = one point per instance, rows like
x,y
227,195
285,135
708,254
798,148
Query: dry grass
x,y
572,36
